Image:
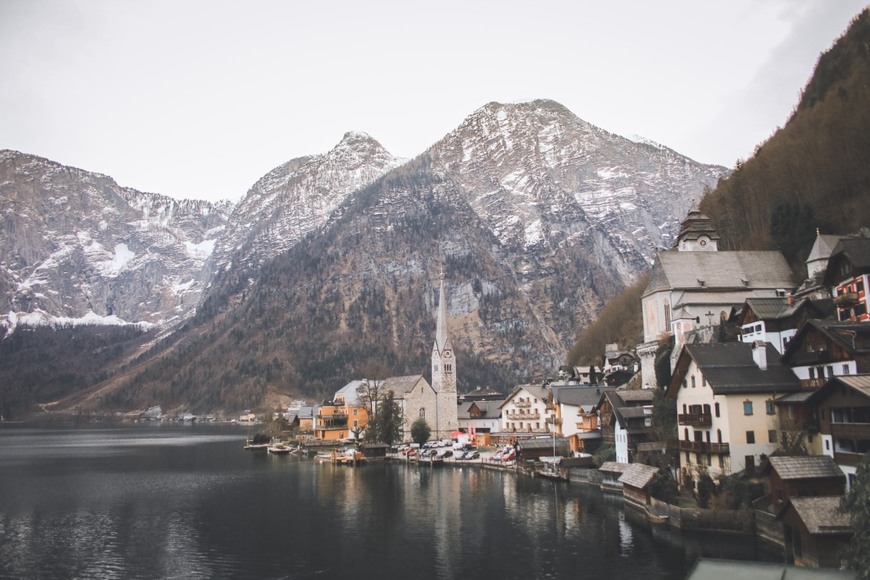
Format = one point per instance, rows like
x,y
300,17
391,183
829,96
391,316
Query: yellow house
x,y
726,416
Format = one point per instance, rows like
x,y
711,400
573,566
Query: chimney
x,y
759,354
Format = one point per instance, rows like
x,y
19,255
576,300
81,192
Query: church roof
x,y
719,271
402,385
696,225
823,246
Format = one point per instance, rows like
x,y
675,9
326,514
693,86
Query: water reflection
x,y
176,503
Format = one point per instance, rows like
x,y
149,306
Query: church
x,y
695,285
436,403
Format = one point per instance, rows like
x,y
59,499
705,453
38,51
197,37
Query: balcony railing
x,y
695,419
514,416
846,300
813,383
703,447
858,431
523,404
554,420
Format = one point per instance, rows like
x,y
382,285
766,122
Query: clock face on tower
x,y
447,354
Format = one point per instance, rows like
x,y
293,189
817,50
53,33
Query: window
x,y
448,368
721,461
769,408
846,369
716,407
747,407
771,436
422,412
709,459
693,381
685,384
750,437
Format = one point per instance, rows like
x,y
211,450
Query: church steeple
x,y
441,338
443,361
444,370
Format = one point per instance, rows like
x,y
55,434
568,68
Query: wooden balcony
x,y
695,419
522,404
554,420
856,431
703,447
846,458
813,383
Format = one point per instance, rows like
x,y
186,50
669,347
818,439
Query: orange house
x,y
337,421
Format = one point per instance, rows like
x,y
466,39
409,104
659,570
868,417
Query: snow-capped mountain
x,y
536,217
294,199
77,247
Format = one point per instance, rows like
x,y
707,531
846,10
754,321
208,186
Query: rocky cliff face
x,y
535,217
293,200
75,246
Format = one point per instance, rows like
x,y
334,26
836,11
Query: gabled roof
x,y
821,515
628,404
860,384
536,391
489,409
350,392
853,337
856,251
774,308
638,475
402,385
745,270
807,467
729,368
710,569
614,466
578,396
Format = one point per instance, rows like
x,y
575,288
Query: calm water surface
x,y
189,502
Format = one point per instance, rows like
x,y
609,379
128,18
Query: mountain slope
x,y
76,246
535,217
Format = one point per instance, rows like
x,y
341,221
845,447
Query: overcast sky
x,y
200,98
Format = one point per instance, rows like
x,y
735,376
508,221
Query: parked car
x,y
509,456
472,455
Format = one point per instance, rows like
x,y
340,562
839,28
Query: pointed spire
x,y
441,319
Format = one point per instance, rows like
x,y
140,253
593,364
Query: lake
x,y
175,501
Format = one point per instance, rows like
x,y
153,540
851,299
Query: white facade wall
x,y
620,436
729,424
525,413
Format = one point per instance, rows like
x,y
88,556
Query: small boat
x,y
279,449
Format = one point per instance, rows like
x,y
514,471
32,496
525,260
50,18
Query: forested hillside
x,y
814,173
